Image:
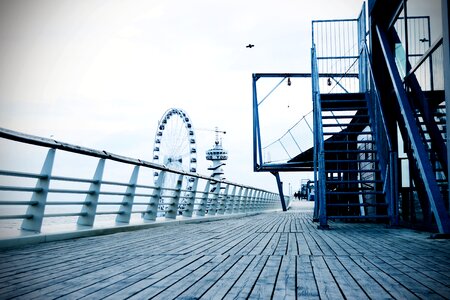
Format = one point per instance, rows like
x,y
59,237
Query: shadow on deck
x,y
279,255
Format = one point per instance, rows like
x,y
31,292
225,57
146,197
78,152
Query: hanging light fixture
x,y
289,81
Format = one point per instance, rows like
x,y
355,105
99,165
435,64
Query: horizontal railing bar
x,y
17,202
110,213
68,202
114,193
65,191
142,195
11,217
146,186
21,174
65,215
115,183
111,203
20,189
72,179
140,211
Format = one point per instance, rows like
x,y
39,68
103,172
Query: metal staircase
x,y
353,184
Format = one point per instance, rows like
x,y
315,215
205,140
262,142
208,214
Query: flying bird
x,y
250,46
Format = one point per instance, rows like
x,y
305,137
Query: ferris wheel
x,y
175,146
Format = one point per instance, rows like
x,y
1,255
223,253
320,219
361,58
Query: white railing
x,y
30,201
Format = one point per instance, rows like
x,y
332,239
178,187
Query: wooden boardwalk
x,y
279,256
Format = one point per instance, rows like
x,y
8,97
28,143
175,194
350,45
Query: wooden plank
x,y
412,285
282,246
285,286
392,286
292,248
172,286
135,284
259,248
346,282
306,282
204,283
244,285
264,286
326,284
370,286
224,284
302,245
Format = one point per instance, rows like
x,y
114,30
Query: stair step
x,y
344,124
347,133
351,108
344,116
349,142
350,160
350,151
359,217
355,193
353,181
354,171
356,204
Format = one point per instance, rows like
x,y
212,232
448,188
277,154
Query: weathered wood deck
x,y
279,255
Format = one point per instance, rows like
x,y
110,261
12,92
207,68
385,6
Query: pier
x,y
277,255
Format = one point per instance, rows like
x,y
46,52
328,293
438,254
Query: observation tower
x,y
217,155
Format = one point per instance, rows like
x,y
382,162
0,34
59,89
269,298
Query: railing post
x,y
190,199
201,210
223,201
230,201
213,205
243,200
39,198
237,201
89,209
152,207
175,200
127,203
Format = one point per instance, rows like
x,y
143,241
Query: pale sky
x,y
101,73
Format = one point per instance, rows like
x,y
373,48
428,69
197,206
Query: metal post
x,y
39,198
230,201
175,200
223,201
127,203
190,199
152,207
214,199
203,200
89,209
237,201
280,190
243,202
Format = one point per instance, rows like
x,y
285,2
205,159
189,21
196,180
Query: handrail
x,y
424,57
153,200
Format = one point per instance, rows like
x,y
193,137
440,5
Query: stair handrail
x,y
319,155
388,164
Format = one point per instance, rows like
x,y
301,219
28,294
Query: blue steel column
x,y
280,190
446,55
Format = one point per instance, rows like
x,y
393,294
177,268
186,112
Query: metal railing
x,y
30,199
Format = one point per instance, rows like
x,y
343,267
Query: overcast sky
x,y
101,73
